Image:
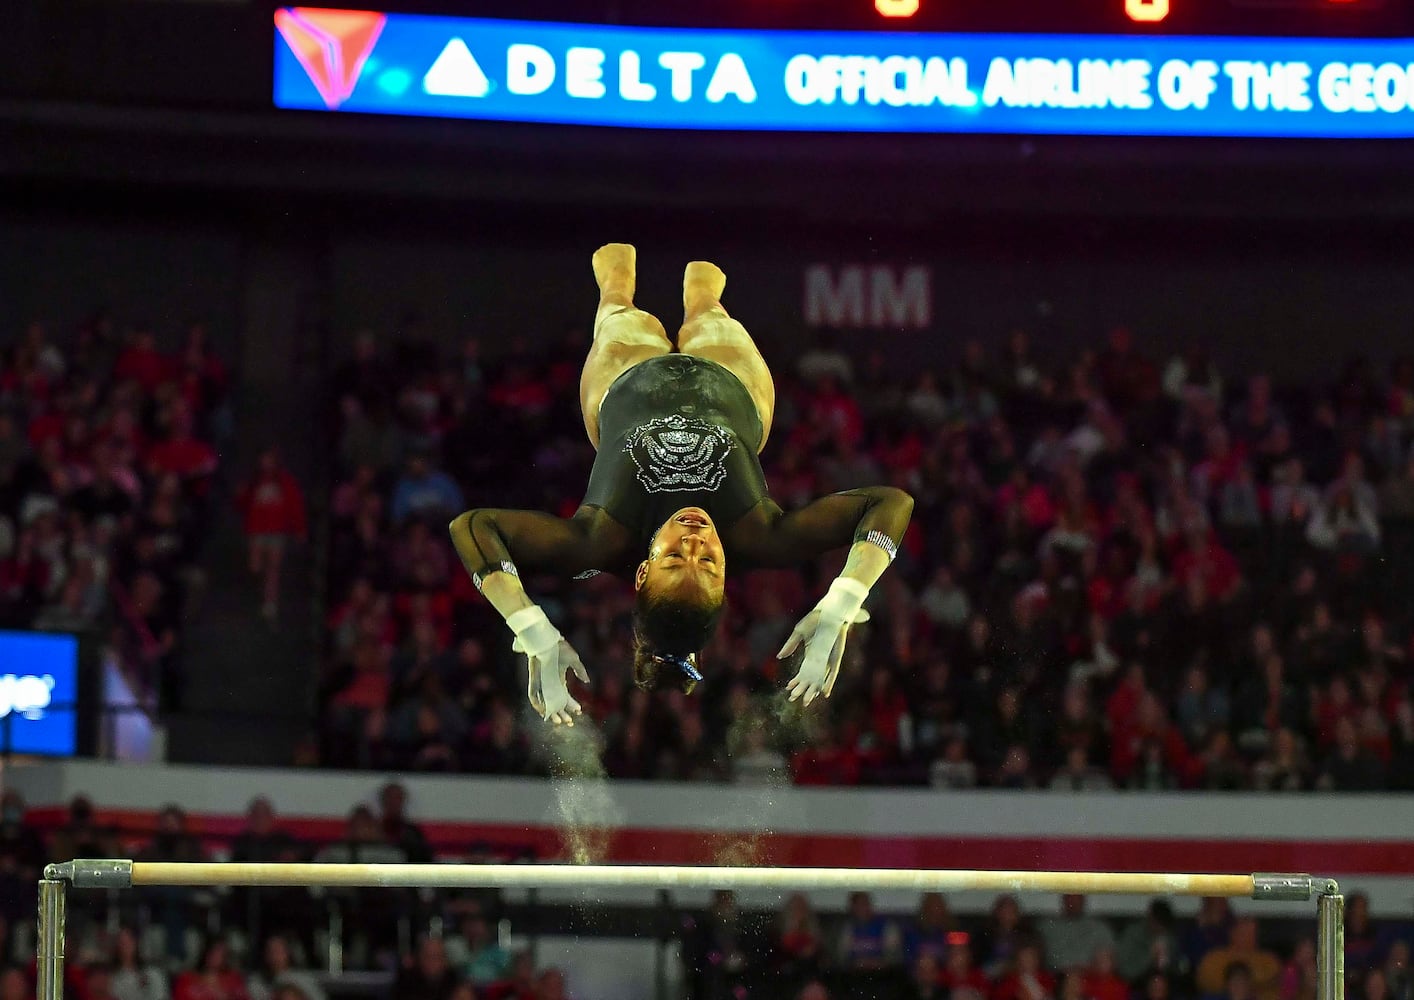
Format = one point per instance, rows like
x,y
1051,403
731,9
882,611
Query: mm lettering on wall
x,y
589,74
868,296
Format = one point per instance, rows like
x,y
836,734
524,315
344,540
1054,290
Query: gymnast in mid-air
x,y
675,498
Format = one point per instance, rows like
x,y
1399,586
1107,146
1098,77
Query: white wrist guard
x,y
534,633
844,599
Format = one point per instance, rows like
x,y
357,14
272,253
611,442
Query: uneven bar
x,y
114,873
666,877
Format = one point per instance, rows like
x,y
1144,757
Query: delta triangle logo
x,y
331,45
456,73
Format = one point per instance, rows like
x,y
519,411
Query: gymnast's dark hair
x,y
668,632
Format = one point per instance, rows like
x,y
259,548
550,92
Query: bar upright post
x,y
50,946
1330,947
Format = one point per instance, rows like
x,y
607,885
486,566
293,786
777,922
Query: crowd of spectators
x,y
1010,954
260,944
253,944
106,468
1120,573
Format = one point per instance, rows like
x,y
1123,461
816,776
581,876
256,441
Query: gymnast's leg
x,y
623,334
708,332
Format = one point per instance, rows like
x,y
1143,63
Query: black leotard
x,y
676,431
679,431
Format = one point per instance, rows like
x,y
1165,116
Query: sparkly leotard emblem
x,y
675,454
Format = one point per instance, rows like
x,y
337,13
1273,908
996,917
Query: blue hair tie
x,y
683,663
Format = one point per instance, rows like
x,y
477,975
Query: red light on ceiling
x,y
896,8
1146,11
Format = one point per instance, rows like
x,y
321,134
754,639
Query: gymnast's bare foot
x,y
615,269
702,285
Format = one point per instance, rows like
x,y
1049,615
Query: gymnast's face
x,y
685,558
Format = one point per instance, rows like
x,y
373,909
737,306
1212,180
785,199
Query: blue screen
x,y
38,692
842,81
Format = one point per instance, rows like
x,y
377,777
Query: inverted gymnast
x,y
675,495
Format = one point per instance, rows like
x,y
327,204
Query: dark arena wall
x,y
918,294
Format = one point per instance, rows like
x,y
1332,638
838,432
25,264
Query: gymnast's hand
x,y
824,631
548,657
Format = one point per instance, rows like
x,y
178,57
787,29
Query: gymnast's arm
x,y
875,519
495,544
489,543
872,521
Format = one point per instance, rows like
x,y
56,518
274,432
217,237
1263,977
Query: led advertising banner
x,y
402,64
38,690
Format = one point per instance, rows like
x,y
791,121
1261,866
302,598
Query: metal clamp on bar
x,y
1325,887
1284,888
93,873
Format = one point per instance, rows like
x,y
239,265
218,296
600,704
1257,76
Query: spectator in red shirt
x,y
212,979
1101,980
826,763
142,362
183,454
887,706
367,685
1106,591
550,985
1147,751
122,433
834,413
357,697
1205,558
273,506
15,985
519,391
1334,706
1124,700
798,940
959,977
1033,499
1028,980
49,424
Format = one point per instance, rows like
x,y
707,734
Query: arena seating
x,y
1122,571
106,471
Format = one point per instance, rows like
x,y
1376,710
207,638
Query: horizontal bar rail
x,y
119,873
